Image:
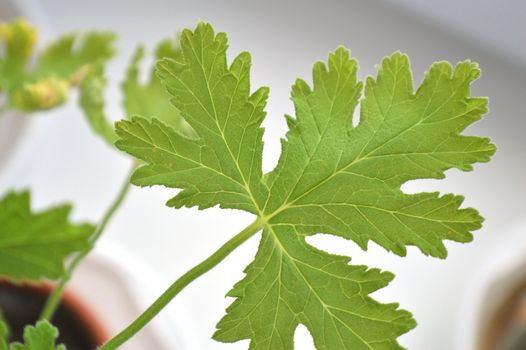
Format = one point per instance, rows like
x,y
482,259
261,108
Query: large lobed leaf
x,y
290,282
332,177
344,180
34,245
223,165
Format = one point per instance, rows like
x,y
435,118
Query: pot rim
x,y
98,332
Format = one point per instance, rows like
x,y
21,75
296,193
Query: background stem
x,y
205,266
54,299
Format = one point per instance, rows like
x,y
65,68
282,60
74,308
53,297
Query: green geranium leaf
x,y
40,337
332,177
65,56
148,99
4,332
151,99
91,101
34,245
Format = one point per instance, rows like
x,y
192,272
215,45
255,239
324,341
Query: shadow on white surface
x,y
117,288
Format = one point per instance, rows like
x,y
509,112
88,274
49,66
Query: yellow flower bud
x,y
19,37
44,94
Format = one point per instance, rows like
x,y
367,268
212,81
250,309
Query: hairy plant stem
x,y
54,299
172,291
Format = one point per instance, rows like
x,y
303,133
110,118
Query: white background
x,y
61,160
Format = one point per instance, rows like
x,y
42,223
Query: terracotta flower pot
x,y
22,303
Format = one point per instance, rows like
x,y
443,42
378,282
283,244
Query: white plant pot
x,y
116,287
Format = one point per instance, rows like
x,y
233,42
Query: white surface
x,y
116,288
497,25
60,159
11,128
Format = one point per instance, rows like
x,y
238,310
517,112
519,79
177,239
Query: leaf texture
x,y
290,282
148,99
34,245
332,177
42,336
223,165
344,180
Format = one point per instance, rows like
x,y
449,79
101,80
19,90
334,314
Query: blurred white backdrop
x,y
61,160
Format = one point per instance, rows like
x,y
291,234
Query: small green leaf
x,y
66,55
332,177
34,245
4,332
40,337
151,99
91,101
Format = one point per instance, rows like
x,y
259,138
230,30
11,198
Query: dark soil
x,y
21,305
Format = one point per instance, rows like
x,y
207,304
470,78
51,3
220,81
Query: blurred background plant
x,y
30,81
